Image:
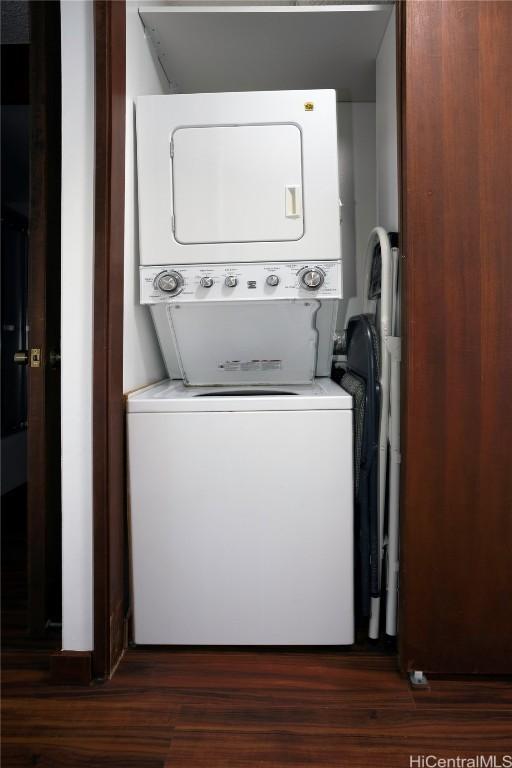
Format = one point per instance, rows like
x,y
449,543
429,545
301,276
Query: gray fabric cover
x,y
375,343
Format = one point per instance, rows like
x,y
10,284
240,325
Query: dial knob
x,y
230,281
169,281
312,279
206,282
272,280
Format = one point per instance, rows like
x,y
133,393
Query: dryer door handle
x,y
293,201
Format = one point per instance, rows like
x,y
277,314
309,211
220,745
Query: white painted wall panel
x,y
356,137
386,130
142,359
77,234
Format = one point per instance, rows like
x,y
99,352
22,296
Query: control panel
x,y
240,282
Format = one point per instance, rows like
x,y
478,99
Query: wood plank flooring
x,y
169,708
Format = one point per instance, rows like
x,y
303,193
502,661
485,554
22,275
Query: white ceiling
x,y
250,48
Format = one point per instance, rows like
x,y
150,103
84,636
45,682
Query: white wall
x,y
142,362
76,335
368,172
356,133
386,121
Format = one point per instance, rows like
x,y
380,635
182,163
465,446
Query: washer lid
x,y
174,397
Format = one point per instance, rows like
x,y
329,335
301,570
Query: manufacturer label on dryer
x,y
251,365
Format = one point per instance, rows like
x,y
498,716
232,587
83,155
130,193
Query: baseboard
x,y
71,668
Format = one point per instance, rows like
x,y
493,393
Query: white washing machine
x,y
241,514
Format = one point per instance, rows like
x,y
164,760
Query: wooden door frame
x,y
110,569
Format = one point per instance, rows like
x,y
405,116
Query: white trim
x,y
77,249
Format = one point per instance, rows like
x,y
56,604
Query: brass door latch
x,y
21,357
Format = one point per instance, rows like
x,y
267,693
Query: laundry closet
x,y
257,191
297,588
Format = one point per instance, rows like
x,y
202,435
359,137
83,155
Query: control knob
x,y
272,280
169,281
312,278
230,281
206,282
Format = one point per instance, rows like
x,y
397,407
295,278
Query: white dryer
x,y
241,514
238,177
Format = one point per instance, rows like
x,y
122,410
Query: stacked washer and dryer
x,y
240,464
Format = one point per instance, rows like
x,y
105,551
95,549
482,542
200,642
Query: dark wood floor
x,y
246,709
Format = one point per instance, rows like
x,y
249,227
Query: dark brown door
x,y
456,541
15,154
43,371
31,535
